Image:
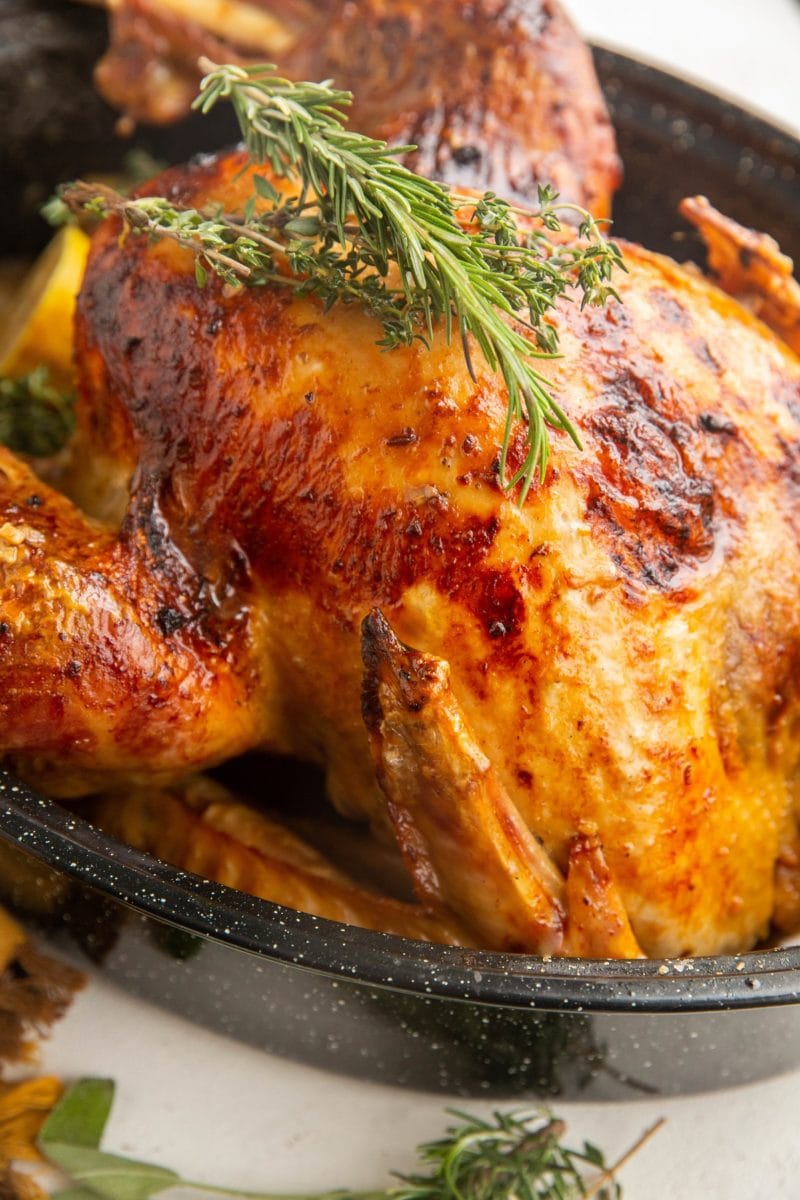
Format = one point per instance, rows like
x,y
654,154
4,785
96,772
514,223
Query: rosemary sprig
x,y
512,1155
35,418
363,228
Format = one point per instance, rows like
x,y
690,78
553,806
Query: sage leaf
x,y
70,1138
80,1116
110,1176
511,1155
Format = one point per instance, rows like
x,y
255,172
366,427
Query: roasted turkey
x,y
578,718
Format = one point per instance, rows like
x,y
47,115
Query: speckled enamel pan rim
x,y
248,925
609,56
75,848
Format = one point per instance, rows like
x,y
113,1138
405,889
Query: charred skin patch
x,y
497,602
648,493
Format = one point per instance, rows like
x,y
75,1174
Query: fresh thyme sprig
x,y
363,228
510,1156
237,252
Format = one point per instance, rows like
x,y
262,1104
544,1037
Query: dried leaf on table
x,y
35,990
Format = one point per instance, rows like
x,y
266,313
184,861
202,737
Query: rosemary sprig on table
x,y
512,1155
361,227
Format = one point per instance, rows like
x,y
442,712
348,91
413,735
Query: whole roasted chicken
x,y
577,717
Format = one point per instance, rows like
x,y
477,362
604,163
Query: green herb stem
x,y
511,1156
362,228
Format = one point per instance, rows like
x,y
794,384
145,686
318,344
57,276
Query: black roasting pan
x,y
380,1007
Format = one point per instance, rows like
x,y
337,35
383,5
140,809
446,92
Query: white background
x,y
227,1114
745,48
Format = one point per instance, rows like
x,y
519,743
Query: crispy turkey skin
x,y
603,678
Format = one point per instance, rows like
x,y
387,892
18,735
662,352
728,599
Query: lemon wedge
x,y
40,330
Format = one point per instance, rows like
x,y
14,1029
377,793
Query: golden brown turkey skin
x,y
497,94
105,666
623,650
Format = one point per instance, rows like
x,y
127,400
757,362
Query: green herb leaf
x,y
364,229
592,1154
511,1155
35,418
57,213
80,1116
265,189
71,1136
110,1175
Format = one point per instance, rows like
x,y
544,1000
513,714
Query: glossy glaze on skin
x,y
498,94
93,678
463,839
622,650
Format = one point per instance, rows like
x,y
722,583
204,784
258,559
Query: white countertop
x,y
219,1111
747,49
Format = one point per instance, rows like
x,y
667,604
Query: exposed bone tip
x,y
378,645
394,673
375,630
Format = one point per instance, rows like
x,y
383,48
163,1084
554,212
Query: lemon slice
x,y
40,329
